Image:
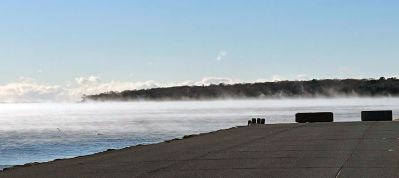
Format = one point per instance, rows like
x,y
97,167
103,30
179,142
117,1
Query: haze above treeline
x,y
329,88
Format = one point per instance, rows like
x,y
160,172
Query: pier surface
x,y
351,149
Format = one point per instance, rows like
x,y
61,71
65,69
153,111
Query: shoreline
x,y
328,149
4,168
7,167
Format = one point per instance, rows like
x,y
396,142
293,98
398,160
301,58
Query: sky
x,y
59,50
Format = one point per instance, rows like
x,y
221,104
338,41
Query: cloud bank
x,y
31,90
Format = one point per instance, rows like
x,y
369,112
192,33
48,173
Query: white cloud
x,y
88,80
261,80
216,80
302,77
277,78
221,55
30,90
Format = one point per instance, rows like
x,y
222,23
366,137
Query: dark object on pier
x,y
253,120
258,121
249,122
314,117
377,115
263,121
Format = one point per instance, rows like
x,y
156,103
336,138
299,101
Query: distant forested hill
x,y
312,88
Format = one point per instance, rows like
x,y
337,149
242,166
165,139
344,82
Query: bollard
x,y
263,121
253,120
314,117
377,115
258,121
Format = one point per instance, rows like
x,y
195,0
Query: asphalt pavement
x,y
342,149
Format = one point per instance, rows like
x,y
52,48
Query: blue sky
x,y
177,40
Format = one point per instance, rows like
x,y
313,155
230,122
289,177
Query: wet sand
x,y
351,149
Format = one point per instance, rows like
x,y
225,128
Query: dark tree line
x,y
312,88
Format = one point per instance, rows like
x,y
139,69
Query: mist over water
x,y
45,131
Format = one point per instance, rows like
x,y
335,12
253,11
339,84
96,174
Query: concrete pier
x,y
314,117
352,149
377,115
